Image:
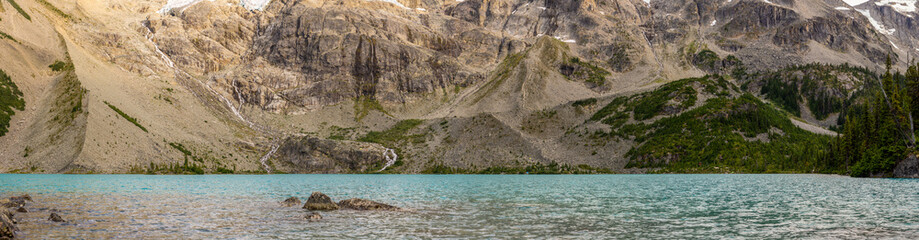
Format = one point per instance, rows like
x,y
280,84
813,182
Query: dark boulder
x,y
290,202
319,201
908,168
364,204
56,218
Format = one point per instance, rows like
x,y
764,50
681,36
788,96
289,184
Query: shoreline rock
x,y
319,201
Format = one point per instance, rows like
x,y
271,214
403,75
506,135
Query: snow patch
x,y
877,25
902,6
182,4
714,22
254,4
565,39
843,8
397,3
173,4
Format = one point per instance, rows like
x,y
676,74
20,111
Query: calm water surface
x,y
463,206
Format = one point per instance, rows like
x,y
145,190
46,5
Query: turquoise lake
x,y
470,206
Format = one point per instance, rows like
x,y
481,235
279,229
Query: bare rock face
x,y
290,202
364,204
319,201
315,155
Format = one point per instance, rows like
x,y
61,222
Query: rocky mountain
x,y
414,86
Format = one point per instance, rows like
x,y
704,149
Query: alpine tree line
x,y
880,132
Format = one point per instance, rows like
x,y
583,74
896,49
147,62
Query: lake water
x,y
471,206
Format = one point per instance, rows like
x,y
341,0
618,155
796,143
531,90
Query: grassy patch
x,y
59,66
19,9
363,105
54,9
396,134
584,102
575,69
126,117
10,100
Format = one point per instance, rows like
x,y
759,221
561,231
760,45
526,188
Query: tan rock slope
x,y
303,85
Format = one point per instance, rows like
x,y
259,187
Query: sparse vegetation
x,y
54,9
19,9
59,66
7,36
584,102
10,101
575,69
395,135
364,104
126,117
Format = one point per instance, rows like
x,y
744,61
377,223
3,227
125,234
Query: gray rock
x,y
56,218
908,168
314,155
319,201
290,202
364,204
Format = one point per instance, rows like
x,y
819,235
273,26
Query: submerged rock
x,y
364,204
313,216
290,202
56,218
22,198
16,202
319,201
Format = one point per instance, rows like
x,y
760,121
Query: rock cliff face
x,y
219,83
314,155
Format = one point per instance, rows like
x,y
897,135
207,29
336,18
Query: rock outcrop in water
x,y
56,218
319,201
290,202
364,204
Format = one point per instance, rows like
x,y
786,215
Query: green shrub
x,y
126,117
19,9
